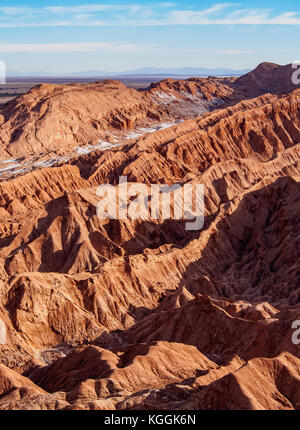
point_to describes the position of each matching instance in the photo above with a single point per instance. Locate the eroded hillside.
(144, 314)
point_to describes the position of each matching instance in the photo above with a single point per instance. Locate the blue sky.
(71, 35)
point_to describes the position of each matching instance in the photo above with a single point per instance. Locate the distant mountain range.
(145, 71)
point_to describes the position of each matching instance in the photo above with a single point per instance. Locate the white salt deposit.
(11, 167)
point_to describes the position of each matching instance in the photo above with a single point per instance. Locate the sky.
(68, 36)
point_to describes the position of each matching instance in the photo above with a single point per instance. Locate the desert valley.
(141, 314)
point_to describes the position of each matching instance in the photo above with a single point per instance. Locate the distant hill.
(145, 71)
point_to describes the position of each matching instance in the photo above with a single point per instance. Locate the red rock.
(144, 314)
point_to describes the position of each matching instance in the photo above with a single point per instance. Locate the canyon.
(143, 314)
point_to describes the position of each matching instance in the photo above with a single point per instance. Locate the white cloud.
(220, 15)
(83, 16)
(74, 47)
(234, 52)
(14, 10)
(155, 14)
(80, 9)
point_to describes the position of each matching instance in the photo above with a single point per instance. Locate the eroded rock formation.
(144, 314)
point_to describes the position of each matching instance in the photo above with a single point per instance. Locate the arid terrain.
(16, 86)
(142, 314)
